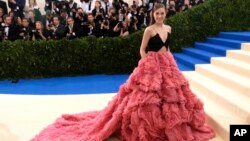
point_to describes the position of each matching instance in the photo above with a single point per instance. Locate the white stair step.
(245, 46)
(239, 54)
(237, 66)
(233, 101)
(219, 117)
(217, 138)
(225, 77)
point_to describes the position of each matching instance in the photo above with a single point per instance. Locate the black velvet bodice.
(155, 43)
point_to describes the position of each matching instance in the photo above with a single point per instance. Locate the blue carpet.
(92, 84)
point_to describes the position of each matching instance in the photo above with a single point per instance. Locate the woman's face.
(31, 14)
(38, 26)
(159, 15)
(11, 14)
(25, 23)
(97, 4)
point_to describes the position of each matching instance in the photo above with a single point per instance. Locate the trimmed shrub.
(36, 59)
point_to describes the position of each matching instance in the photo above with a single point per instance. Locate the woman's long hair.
(156, 7)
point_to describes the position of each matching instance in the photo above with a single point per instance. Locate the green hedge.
(208, 19)
(28, 59)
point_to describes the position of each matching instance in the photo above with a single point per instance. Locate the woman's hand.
(143, 55)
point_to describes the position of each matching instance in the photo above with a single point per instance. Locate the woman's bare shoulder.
(168, 27)
(149, 30)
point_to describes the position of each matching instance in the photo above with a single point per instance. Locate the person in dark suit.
(48, 5)
(3, 5)
(57, 29)
(72, 30)
(94, 28)
(17, 6)
(72, 8)
(26, 31)
(10, 30)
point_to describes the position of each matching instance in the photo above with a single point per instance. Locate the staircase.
(221, 82)
(212, 47)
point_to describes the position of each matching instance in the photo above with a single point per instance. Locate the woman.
(122, 28)
(98, 12)
(40, 32)
(155, 104)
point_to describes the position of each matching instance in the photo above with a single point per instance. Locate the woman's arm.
(116, 28)
(144, 43)
(169, 30)
(124, 33)
(41, 34)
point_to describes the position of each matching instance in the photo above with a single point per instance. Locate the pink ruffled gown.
(155, 104)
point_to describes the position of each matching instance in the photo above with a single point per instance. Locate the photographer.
(117, 27)
(58, 5)
(81, 20)
(93, 27)
(133, 24)
(171, 9)
(56, 28)
(113, 20)
(40, 33)
(48, 5)
(122, 28)
(143, 18)
(105, 27)
(72, 8)
(72, 30)
(9, 31)
(25, 30)
(119, 4)
(17, 6)
(98, 12)
(80, 17)
(33, 18)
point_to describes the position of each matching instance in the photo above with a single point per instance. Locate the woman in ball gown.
(155, 103)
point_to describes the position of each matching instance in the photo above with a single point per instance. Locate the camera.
(123, 11)
(106, 21)
(50, 25)
(26, 35)
(80, 14)
(120, 24)
(133, 19)
(171, 6)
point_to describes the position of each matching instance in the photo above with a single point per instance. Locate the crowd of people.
(68, 19)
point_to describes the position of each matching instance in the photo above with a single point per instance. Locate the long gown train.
(155, 104)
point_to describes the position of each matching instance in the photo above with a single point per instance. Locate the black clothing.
(155, 43)
(18, 7)
(3, 5)
(46, 34)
